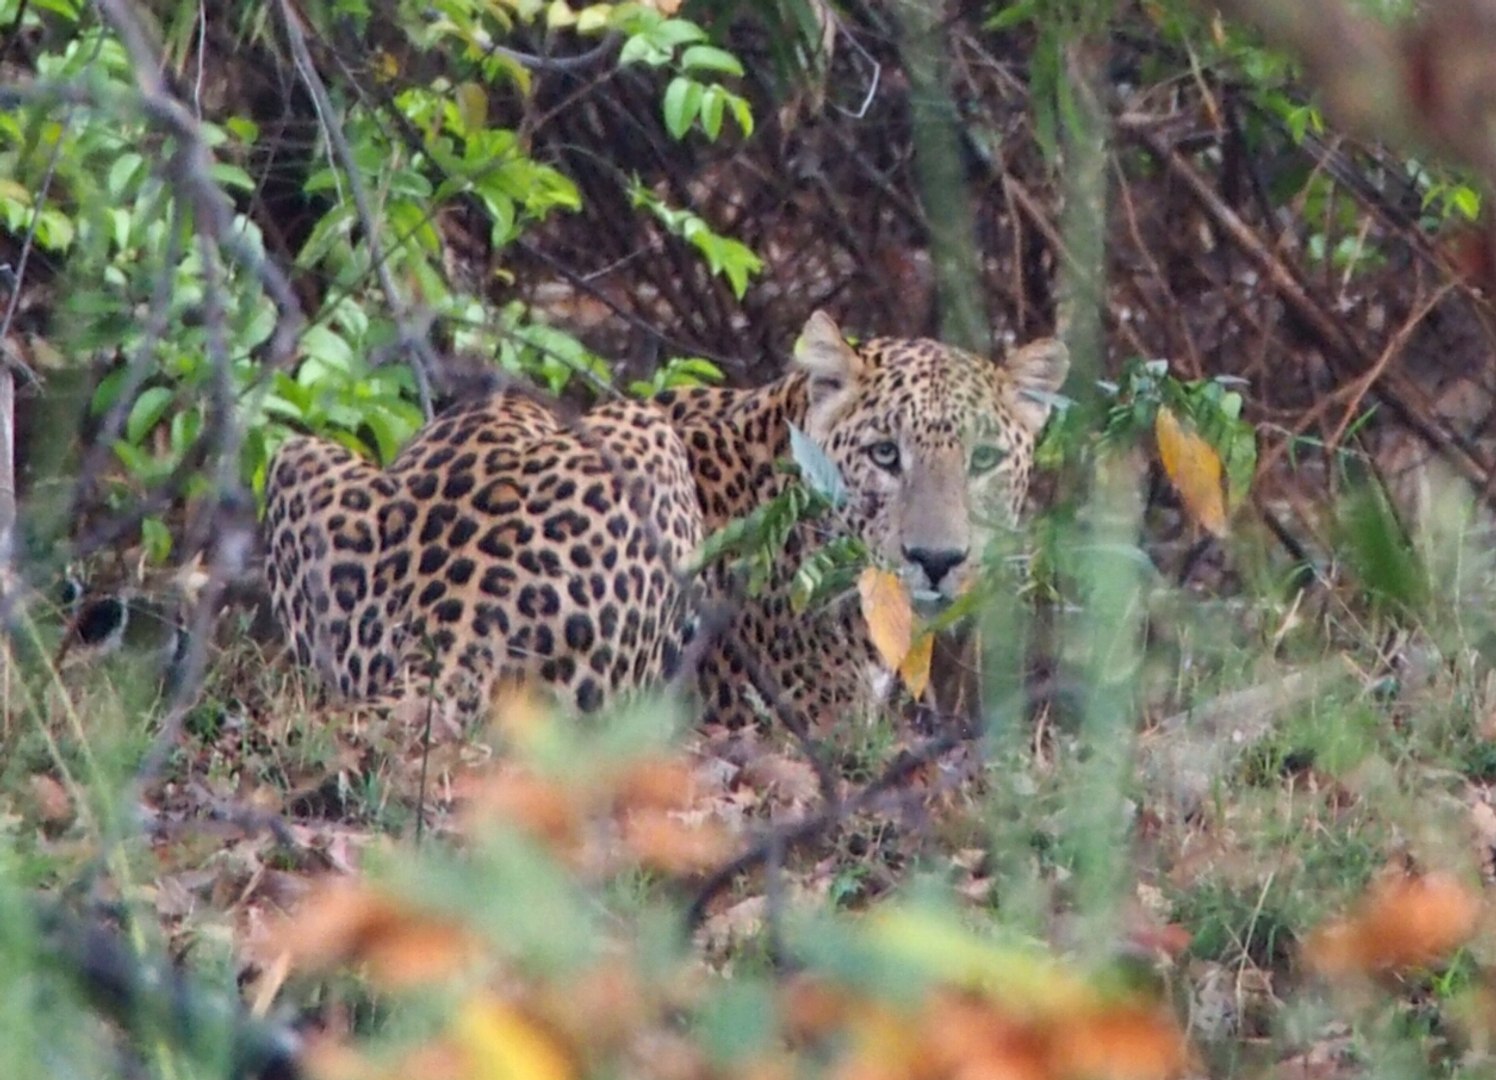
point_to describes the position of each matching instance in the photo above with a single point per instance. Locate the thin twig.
(411, 336)
(795, 834)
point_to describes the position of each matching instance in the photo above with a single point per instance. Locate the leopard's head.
(935, 444)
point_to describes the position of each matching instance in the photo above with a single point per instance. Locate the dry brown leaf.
(1483, 818)
(889, 613)
(1402, 922)
(602, 1007)
(349, 922)
(1194, 468)
(968, 1036)
(540, 806)
(1120, 1042)
(664, 842)
(732, 926)
(783, 778)
(655, 784)
(268, 985)
(915, 668)
(327, 1058)
(519, 713)
(811, 1007)
(52, 803)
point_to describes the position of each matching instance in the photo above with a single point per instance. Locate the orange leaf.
(889, 614)
(601, 1007)
(1120, 1042)
(915, 669)
(346, 922)
(655, 783)
(811, 1008)
(665, 842)
(1404, 922)
(1195, 470)
(540, 806)
(967, 1035)
(884, 1045)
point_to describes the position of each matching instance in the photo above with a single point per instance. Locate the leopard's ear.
(833, 364)
(1037, 371)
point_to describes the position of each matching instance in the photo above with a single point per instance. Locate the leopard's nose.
(935, 562)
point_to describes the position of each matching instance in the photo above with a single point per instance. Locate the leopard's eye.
(885, 455)
(985, 458)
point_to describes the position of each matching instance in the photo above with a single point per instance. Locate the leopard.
(935, 448)
(507, 543)
(504, 545)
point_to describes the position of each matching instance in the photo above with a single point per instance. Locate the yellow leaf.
(1016, 973)
(14, 192)
(915, 670)
(472, 106)
(889, 615)
(385, 66)
(593, 18)
(503, 1044)
(1195, 470)
(560, 15)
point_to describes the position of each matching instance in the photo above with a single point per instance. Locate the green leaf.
(682, 100)
(710, 58)
(641, 49)
(232, 176)
(54, 230)
(712, 102)
(593, 19)
(676, 32)
(1021, 12)
(147, 411)
(155, 537)
(1466, 200)
(107, 392)
(819, 471)
(123, 172)
(472, 106)
(742, 112)
(332, 350)
(1380, 555)
(66, 8)
(186, 426)
(243, 128)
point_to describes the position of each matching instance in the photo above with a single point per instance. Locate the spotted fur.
(503, 542)
(500, 543)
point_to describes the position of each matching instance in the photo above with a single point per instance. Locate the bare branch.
(412, 332)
